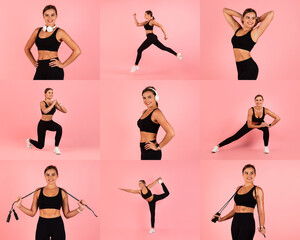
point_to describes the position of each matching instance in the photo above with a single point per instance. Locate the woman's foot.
(215, 149)
(28, 143)
(134, 68)
(179, 55)
(266, 151)
(152, 230)
(160, 181)
(56, 151)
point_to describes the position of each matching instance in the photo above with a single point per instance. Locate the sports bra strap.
(237, 30)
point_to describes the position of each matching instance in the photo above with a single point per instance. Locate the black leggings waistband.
(149, 154)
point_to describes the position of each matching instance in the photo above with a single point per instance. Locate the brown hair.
(47, 89)
(143, 181)
(259, 95)
(249, 166)
(150, 13)
(50, 7)
(150, 89)
(51, 167)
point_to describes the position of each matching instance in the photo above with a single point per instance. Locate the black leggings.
(50, 227)
(153, 203)
(43, 126)
(149, 154)
(247, 69)
(244, 130)
(151, 39)
(46, 72)
(243, 226)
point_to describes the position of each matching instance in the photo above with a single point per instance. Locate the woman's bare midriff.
(45, 55)
(49, 213)
(46, 117)
(149, 31)
(147, 137)
(243, 209)
(241, 54)
(149, 199)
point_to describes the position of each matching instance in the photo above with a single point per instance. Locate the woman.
(49, 200)
(245, 37)
(48, 108)
(149, 123)
(246, 197)
(151, 38)
(255, 119)
(145, 192)
(48, 39)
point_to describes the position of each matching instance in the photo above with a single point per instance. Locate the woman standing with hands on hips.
(245, 37)
(48, 108)
(149, 123)
(245, 199)
(151, 38)
(49, 200)
(48, 39)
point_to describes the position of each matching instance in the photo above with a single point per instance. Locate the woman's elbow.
(278, 119)
(77, 51)
(171, 134)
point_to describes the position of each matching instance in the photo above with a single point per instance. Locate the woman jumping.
(48, 108)
(255, 119)
(245, 37)
(151, 38)
(149, 197)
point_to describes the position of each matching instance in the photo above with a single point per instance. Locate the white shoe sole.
(28, 143)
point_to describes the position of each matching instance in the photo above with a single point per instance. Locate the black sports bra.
(246, 199)
(243, 42)
(147, 195)
(148, 27)
(49, 113)
(45, 202)
(258, 120)
(49, 44)
(147, 125)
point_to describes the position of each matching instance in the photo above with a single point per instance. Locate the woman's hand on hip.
(56, 63)
(151, 145)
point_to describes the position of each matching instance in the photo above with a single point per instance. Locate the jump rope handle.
(214, 220)
(8, 217)
(16, 215)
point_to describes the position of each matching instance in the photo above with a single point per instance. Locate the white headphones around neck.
(156, 94)
(49, 28)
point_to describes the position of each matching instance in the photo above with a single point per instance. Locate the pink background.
(127, 216)
(226, 107)
(120, 39)
(275, 53)
(279, 180)
(21, 114)
(79, 178)
(80, 19)
(122, 103)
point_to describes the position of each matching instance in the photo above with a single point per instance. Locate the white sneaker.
(215, 149)
(152, 230)
(57, 151)
(160, 181)
(266, 151)
(179, 55)
(134, 68)
(28, 143)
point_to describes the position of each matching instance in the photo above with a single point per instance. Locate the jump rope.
(16, 215)
(214, 220)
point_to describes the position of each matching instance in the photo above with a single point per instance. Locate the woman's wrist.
(78, 210)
